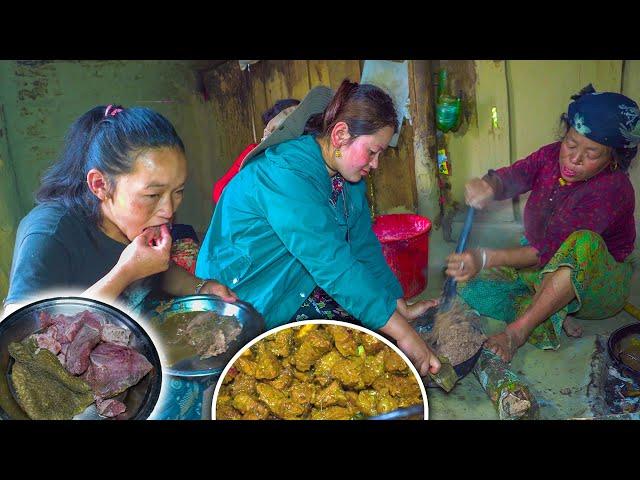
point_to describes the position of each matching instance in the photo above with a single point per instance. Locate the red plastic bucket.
(405, 245)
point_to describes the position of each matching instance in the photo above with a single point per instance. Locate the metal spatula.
(450, 285)
(449, 374)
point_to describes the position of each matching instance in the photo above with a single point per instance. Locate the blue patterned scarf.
(607, 118)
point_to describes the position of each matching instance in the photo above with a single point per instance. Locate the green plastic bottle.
(447, 107)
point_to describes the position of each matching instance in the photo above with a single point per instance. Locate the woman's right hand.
(414, 347)
(411, 344)
(464, 266)
(478, 193)
(149, 253)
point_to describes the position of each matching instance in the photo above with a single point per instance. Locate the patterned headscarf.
(607, 118)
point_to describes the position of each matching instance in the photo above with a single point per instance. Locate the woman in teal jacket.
(294, 223)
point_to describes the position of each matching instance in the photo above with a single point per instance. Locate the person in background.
(185, 246)
(272, 119)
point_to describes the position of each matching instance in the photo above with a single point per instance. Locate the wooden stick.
(632, 310)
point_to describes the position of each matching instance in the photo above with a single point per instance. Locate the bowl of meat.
(199, 334)
(76, 358)
(320, 370)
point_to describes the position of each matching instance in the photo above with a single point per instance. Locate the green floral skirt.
(601, 285)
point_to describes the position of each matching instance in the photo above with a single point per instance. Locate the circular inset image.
(319, 370)
(76, 358)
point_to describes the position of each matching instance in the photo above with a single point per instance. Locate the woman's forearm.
(177, 281)
(111, 285)
(411, 344)
(519, 257)
(397, 327)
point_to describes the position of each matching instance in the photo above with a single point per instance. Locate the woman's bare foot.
(505, 344)
(571, 328)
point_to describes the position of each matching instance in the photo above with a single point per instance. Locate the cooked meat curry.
(316, 372)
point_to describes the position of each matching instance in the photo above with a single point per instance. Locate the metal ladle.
(426, 321)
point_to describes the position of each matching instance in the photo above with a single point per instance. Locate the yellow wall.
(530, 96)
(481, 146)
(540, 92)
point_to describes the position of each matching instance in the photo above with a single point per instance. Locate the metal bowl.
(139, 399)
(425, 324)
(250, 320)
(613, 347)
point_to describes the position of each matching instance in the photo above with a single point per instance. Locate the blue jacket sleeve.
(303, 220)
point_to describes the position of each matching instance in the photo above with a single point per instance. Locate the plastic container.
(405, 245)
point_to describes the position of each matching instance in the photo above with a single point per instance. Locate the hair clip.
(112, 110)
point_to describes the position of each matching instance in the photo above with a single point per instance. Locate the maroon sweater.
(603, 204)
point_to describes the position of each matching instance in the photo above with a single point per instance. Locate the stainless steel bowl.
(250, 320)
(139, 399)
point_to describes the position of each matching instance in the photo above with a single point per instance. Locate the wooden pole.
(510, 395)
(422, 101)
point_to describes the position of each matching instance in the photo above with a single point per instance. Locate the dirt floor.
(558, 379)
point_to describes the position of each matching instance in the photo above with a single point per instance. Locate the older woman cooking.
(579, 229)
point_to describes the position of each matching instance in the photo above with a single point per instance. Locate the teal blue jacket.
(275, 236)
